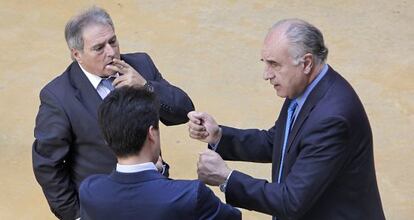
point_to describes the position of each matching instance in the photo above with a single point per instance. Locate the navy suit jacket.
(69, 145)
(329, 165)
(151, 196)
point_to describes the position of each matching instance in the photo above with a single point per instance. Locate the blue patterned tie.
(107, 82)
(289, 122)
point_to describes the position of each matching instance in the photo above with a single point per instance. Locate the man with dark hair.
(69, 145)
(320, 146)
(135, 190)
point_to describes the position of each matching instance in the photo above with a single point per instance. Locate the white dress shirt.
(96, 82)
(134, 168)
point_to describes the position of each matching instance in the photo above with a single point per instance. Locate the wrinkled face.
(99, 48)
(288, 79)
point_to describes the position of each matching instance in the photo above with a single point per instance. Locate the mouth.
(110, 63)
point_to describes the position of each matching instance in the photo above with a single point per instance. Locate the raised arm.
(175, 103)
(232, 144)
(324, 152)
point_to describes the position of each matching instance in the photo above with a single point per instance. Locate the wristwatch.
(149, 87)
(223, 186)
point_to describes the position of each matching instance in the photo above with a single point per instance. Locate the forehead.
(275, 45)
(97, 33)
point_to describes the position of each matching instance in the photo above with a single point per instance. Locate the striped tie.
(105, 86)
(107, 82)
(289, 121)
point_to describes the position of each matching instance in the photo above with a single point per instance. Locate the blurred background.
(211, 49)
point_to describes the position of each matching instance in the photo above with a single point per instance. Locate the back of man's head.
(125, 117)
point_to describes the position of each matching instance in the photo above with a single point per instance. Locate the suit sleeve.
(246, 145)
(175, 103)
(49, 156)
(209, 206)
(324, 152)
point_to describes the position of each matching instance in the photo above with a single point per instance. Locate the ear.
(307, 63)
(76, 54)
(152, 134)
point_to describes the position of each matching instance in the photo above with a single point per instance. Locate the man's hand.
(203, 127)
(128, 76)
(211, 168)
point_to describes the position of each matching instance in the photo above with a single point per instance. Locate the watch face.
(223, 187)
(149, 87)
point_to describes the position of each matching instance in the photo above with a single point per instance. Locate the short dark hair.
(125, 116)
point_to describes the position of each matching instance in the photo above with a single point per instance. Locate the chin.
(108, 73)
(279, 93)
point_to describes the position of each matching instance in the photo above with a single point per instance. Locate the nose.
(267, 73)
(109, 50)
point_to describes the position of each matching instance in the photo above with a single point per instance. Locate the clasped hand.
(211, 168)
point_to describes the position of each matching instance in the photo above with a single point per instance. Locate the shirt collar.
(302, 98)
(135, 167)
(94, 79)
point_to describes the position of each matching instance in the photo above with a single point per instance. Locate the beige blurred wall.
(211, 49)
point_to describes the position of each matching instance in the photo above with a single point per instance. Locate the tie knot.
(292, 106)
(107, 82)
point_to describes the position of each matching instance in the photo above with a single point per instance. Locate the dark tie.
(289, 121)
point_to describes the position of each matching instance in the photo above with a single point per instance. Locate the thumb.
(210, 153)
(196, 117)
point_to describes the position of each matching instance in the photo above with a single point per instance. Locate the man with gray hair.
(68, 144)
(320, 146)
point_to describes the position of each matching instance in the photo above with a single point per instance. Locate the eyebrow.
(112, 38)
(269, 61)
(98, 45)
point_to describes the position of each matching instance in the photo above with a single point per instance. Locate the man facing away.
(135, 189)
(69, 145)
(320, 146)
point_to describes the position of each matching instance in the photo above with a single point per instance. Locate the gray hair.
(303, 38)
(75, 26)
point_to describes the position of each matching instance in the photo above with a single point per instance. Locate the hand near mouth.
(128, 76)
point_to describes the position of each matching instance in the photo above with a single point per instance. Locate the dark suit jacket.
(149, 195)
(329, 166)
(69, 145)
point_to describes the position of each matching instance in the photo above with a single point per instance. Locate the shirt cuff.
(214, 146)
(223, 186)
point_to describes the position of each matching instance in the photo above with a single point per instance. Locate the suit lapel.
(317, 93)
(85, 93)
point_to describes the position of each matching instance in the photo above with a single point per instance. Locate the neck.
(134, 159)
(312, 76)
(315, 72)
